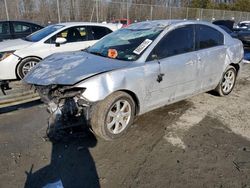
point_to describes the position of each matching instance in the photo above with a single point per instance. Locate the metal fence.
(53, 11)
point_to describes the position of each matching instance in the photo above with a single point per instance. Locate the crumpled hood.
(70, 68)
(12, 45)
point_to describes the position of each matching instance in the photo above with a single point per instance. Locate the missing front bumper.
(67, 115)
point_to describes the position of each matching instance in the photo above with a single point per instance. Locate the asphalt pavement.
(200, 142)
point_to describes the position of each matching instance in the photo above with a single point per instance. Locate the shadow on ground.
(71, 162)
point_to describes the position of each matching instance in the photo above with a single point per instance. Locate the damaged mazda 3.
(135, 70)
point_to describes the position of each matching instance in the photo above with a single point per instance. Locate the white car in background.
(243, 25)
(18, 57)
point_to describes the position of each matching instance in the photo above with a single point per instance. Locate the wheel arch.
(135, 98)
(237, 67)
(18, 77)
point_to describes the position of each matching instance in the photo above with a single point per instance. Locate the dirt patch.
(214, 157)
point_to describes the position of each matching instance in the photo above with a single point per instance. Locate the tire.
(26, 65)
(227, 82)
(111, 117)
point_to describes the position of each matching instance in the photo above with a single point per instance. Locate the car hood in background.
(12, 45)
(70, 68)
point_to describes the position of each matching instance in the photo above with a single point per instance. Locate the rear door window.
(98, 32)
(207, 37)
(20, 27)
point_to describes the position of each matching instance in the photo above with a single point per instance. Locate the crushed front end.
(66, 106)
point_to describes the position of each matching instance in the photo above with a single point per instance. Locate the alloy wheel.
(118, 116)
(228, 81)
(28, 66)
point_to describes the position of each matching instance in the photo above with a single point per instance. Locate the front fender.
(102, 85)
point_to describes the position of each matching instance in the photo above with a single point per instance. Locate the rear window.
(207, 37)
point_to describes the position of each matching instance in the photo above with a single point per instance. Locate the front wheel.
(111, 117)
(26, 65)
(227, 82)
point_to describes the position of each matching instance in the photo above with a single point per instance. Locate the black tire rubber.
(22, 63)
(100, 111)
(219, 89)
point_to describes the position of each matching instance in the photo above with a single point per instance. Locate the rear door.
(211, 53)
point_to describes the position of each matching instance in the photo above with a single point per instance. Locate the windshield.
(125, 44)
(39, 35)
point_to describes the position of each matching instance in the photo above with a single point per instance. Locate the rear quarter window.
(35, 27)
(207, 37)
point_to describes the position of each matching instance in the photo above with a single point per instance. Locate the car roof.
(21, 21)
(69, 24)
(164, 23)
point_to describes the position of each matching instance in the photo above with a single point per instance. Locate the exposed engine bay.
(66, 106)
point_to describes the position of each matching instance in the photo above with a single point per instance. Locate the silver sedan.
(135, 70)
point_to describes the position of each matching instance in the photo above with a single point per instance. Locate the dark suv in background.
(17, 29)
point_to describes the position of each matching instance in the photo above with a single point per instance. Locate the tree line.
(237, 5)
(48, 11)
(234, 5)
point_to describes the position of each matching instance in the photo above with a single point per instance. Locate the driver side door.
(174, 62)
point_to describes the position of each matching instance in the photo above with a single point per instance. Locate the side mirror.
(60, 40)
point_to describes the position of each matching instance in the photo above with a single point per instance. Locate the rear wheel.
(227, 82)
(26, 65)
(111, 117)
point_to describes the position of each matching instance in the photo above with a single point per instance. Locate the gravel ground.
(18, 89)
(16, 86)
(200, 142)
